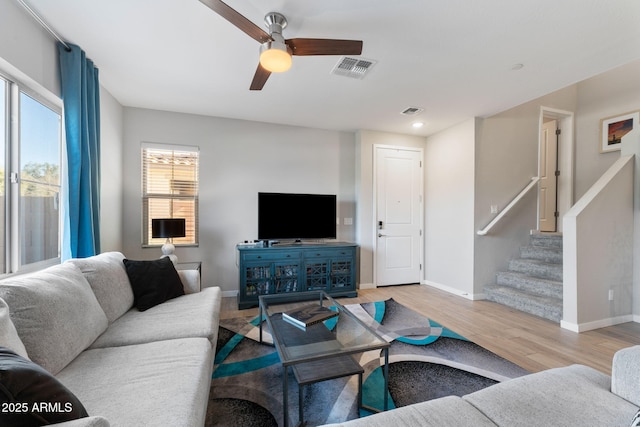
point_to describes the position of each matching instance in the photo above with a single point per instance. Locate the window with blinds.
(170, 189)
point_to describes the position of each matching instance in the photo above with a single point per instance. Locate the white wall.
(238, 159)
(449, 206)
(365, 222)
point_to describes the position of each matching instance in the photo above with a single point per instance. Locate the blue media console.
(289, 268)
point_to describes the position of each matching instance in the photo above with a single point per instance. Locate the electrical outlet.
(494, 209)
(610, 294)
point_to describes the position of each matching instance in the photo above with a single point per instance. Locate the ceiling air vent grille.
(356, 68)
(412, 111)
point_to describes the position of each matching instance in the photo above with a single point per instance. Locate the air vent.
(412, 111)
(356, 68)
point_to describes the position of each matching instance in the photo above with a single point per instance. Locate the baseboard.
(454, 291)
(597, 324)
(367, 286)
(226, 294)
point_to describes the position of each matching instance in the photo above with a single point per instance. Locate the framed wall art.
(618, 129)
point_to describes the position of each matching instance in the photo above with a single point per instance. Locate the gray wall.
(30, 54)
(365, 227)
(610, 94)
(238, 159)
(242, 158)
(28, 47)
(506, 160)
(449, 200)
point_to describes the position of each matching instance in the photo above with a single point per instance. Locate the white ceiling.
(454, 58)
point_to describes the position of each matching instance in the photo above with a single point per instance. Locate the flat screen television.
(288, 216)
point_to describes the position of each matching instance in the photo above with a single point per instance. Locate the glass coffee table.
(321, 351)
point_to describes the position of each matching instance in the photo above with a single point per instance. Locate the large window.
(30, 186)
(170, 189)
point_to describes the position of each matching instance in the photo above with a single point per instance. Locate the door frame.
(374, 231)
(566, 148)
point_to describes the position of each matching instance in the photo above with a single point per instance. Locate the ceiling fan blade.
(259, 78)
(324, 47)
(238, 20)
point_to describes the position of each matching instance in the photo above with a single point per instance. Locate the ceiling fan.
(275, 52)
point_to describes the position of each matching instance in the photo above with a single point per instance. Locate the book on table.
(308, 315)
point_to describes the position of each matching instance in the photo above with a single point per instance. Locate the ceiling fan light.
(275, 57)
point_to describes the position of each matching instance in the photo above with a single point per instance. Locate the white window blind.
(170, 189)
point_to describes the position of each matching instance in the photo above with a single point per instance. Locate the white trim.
(167, 146)
(597, 324)
(227, 294)
(367, 286)
(454, 291)
(566, 150)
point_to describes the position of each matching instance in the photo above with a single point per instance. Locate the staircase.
(533, 283)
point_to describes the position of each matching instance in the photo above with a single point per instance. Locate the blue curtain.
(81, 100)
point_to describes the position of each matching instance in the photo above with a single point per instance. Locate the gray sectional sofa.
(575, 395)
(126, 367)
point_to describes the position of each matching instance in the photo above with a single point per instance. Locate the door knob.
(381, 235)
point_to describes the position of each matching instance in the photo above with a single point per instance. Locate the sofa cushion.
(55, 313)
(95, 421)
(193, 315)
(8, 335)
(25, 386)
(108, 279)
(164, 383)
(447, 411)
(153, 282)
(571, 396)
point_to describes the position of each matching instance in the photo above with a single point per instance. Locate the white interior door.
(399, 212)
(548, 179)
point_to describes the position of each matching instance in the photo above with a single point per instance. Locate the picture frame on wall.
(618, 129)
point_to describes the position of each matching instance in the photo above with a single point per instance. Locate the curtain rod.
(43, 24)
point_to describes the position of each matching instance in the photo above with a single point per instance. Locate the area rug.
(426, 361)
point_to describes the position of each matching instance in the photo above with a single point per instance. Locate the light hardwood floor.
(529, 341)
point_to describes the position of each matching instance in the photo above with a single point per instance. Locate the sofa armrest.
(625, 374)
(85, 422)
(190, 280)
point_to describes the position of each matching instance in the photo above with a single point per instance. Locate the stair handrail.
(525, 190)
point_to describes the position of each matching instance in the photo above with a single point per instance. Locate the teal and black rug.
(426, 361)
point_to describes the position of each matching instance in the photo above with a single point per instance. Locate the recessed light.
(417, 125)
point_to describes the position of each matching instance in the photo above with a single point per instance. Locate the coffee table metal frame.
(319, 347)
